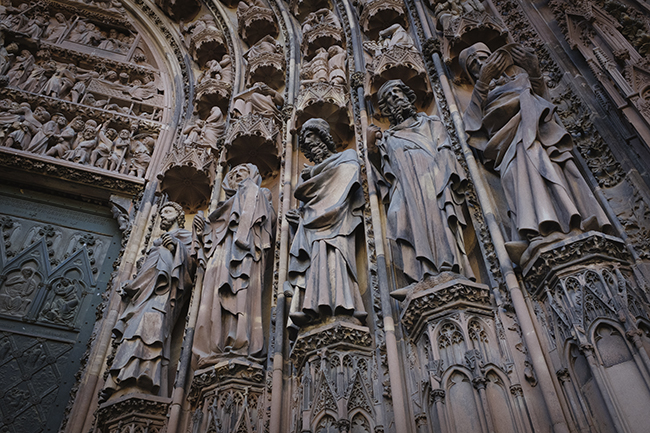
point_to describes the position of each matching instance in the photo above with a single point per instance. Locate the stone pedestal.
(588, 302)
(254, 138)
(133, 413)
(227, 397)
(461, 369)
(336, 386)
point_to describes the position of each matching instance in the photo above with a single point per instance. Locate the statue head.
(316, 141)
(171, 213)
(396, 101)
(238, 174)
(471, 59)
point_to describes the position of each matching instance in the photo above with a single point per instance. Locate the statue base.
(338, 334)
(570, 254)
(228, 396)
(133, 412)
(428, 299)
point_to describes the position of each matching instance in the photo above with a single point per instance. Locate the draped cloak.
(516, 130)
(322, 266)
(236, 242)
(163, 284)
(424, 216)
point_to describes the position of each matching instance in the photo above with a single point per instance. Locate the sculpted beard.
(167, 223)
(401, 111)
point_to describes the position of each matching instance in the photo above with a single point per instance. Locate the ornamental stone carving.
(187, 174)
(205, 39)
(393, 56)
(321, 29)
(376, 15)
(253, 133)
(256, 20)
(266, 63)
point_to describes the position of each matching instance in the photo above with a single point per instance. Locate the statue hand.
(493, 67)
(373, 133)
(293, 216)
(198, 224)
(126, 291)
(306, 172)
(168, 242)
(526, 58)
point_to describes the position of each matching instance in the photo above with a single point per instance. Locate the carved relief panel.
(76, 75)
(55, 261)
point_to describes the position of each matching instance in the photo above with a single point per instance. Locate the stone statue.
(236, 240)
(217, 70)
(21, 68)
(258, 99)
(423, 185)
(336, 63)
(120, 146)
(326, 65)
(322, 262)
(512, 122)
(155, 298)
(396, 36)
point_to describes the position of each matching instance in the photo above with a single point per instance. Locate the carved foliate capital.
(516, 390)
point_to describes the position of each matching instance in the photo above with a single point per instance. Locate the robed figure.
(423, 184)
(512, 122)
(322, 262)
(156, 297)
(235, 240)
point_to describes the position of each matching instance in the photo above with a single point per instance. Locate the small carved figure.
(21, 68)
(42, 140)
(30, 124)
(337, 58)
(66, 139)
(155, 298)
(17, 289)
(322, 262)
(56, 28)
(236, 240)
(141, 149)
(317, 69)
(322, 17)
(99, 157)
(120, 146)
(259, 99)
(511, 121)
(423, 185)
(217, 70)
(396, 36)
(84, 146)
(62, 307)
(40, 75)
(213, 128)
(34, 27)
(266, 45)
